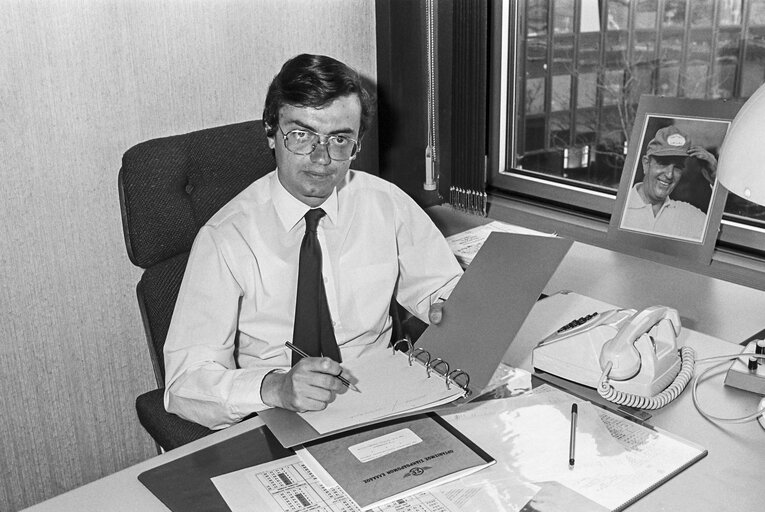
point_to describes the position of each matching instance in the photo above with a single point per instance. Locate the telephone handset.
(630, 357)
(621, 351)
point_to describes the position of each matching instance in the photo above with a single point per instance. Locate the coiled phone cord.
(688, 357)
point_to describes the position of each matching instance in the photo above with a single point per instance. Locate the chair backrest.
(169, 187)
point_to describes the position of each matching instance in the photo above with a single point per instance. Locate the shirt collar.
(291, 210)
(635, 201)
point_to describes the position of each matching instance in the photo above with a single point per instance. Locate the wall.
(80, 82)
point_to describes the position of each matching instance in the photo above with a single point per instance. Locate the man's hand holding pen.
(310, 385)
(313, 382)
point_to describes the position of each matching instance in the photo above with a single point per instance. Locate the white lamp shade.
(741, 166)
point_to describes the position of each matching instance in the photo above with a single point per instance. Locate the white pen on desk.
(572, 440)
(342, 379)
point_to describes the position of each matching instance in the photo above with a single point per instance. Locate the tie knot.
(312, 219)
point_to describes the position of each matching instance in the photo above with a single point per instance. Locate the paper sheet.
(616, 459)
(494, 488)
(287, 485)
(374, 375)
(465, 244)
(281, 485)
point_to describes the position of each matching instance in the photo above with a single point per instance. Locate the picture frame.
(668, 203)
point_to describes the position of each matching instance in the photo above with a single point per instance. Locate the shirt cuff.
(245, 395)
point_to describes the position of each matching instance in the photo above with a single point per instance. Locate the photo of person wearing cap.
(668, 157)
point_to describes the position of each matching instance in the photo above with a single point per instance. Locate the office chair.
(168, 189)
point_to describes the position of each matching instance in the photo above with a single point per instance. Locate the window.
(573, 72)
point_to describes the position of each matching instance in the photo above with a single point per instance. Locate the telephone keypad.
(577, 322)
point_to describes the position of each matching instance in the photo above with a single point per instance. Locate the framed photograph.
(669, 200)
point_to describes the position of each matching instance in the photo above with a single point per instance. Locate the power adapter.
(748, 372)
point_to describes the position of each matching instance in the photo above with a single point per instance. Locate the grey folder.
(481, 318)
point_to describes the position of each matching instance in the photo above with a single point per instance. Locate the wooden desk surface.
(729, 474)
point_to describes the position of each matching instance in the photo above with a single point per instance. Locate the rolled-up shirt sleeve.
(202, 381)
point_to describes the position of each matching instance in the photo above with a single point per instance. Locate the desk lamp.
(741, 170)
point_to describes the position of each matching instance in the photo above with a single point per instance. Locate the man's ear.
(271, 141)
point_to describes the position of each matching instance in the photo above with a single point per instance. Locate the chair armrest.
(168, 430)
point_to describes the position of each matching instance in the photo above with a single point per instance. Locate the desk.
(728, 477)
(722, 309)
(736, 453)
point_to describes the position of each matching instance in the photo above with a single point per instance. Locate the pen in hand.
(342, 379)
(572, 441)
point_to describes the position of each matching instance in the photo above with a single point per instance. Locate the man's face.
(312, 178)
(662, 174)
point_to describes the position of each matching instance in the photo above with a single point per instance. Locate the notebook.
(392, 460)
(455, 359)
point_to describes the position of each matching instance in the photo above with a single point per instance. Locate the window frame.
(552, 191)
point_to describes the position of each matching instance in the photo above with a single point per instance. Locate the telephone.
(630, 357)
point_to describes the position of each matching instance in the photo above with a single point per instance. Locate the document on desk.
(414, 389)
(481, 318)
(617, 460)
(288, 485)
(395, 459)
(465, 244)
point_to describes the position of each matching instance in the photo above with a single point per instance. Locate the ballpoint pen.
(572, 440)
(342, 379)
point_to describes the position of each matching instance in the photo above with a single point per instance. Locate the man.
(225, 353)
(649, 207)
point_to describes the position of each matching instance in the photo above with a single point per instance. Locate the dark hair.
(314, 81)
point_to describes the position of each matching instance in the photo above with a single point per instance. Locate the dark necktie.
(313, 330)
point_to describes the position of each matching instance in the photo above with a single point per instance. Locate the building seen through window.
(577, 68)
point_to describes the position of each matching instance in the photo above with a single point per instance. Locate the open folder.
(455, 359)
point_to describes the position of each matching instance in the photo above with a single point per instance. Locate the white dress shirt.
(236, 305)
